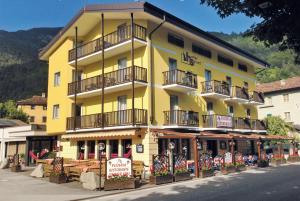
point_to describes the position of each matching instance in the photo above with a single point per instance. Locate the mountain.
(21, 73)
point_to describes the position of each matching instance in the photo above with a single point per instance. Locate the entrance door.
(172, 70)
(122, 106)
(122, 33)
(212, 146)
(229, 82)
(173, 109)
(123, 74)
(208, 83)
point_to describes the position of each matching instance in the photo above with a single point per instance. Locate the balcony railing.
(110, 40)
(240, 92)
(181, 118)
(215, 86)
(241, 123)
(115, 118)
(217, 121)
(257, 97)
(110, 79)
(258, 124)
(180, 77)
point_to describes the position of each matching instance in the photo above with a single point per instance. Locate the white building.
(282, 98)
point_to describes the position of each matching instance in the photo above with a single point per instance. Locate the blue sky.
(26, 14)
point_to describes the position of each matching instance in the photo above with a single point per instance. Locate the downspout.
(132, 68)
(103, 78)
(76, 75)
(152, 117)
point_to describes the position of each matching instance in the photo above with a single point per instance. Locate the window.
(32, 107)
(246, 85)
(210, 108)
(175, 40)
(44, 119)
(57, 79)
(230, 110)
(248, 112)
(32, 119)
(287, 116)
(285, 97)
(225, 60)
(172, 64)
(242, 67)
(201, 51)
(268, 100)
(44, 107)
(269, 115)
(122, 63)
(55, 112)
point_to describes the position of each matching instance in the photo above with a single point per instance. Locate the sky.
(26, 14)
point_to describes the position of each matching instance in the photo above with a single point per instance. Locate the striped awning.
(102, 134)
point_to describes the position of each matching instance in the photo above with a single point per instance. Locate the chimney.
(282, 82)
(44, 95)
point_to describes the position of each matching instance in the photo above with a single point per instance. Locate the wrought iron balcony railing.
(180, 77)
(181, 118)
(215, 86)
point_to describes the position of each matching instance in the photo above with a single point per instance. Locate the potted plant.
(182, 175)
(293, 158)
(206, 172)
(240, 167)
(58, 178)
(278, 161)
(118, 182)
(161, 177)
(228, 168)
(262, 163)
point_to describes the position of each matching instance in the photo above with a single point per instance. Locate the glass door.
(208, 84)
(172, 70)
(173, 109)
(122, 106)
(123, 74)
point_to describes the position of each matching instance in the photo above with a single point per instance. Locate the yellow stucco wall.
(38, 113)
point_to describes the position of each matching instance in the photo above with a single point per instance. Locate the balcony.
(114, 81)
(179, 81)
(215, 89)
(256, 98)
(115, 43)
(181, 118)
(238, 95)
(111, 119)
(258, 125)
(227, 122)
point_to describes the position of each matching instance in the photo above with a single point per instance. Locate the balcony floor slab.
(214, 95)
(178, 88)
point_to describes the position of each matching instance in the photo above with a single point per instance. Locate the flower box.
(16, 168)
(278, 161)
(240, 168)
(228, 169)
(206, 173)
(120, 184)
(162, 179)
(293, 159)
(262, 163)
(182, 176)
(58, 178)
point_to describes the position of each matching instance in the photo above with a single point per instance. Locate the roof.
(281, 85)
(11, 123)
(159, 13)
(34, 100)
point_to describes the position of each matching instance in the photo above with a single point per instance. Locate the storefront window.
(114, 148)
(127, 148)
(80, 145)
(91, 149)
(162, 146)
(186, 146)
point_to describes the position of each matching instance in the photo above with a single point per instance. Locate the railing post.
(133, 68)
(103, 78)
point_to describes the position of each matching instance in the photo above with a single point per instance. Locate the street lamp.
(101, 148)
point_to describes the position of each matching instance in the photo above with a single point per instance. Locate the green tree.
(277, 126)
(9, 110)
(280, 20)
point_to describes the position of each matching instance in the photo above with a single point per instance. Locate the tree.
(280, 20)
(277, 126)
(9, 110)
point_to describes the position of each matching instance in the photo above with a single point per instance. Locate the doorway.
(212, 146)
(122, 106)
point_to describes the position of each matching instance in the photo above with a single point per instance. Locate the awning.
(103, 135)
(169, 134)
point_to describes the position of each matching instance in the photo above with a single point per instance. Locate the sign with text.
(224, 121)
(188, 59)
(228, 158)
(119, 167)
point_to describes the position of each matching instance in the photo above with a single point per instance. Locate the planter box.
(111, 184)
(206, 173)
(182, 176)
(58, 179)
(278, 162)
(157, 180)
(16, 168)
(228, 170)
(241, 168)
(293, 159)
(262, 163)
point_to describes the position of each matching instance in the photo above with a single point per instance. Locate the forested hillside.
(23, 75)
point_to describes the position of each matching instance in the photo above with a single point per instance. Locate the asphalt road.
(280, 183)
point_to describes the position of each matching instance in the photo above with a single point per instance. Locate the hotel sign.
(119, 167)
(188, 59)
(224, 121)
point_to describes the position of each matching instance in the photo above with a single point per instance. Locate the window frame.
(56, 111)
(201, 51)
(176, 40)
(57, 79)
(243, 67)
(225, 60)
(286, 97)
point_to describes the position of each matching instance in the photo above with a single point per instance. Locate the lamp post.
(101, 148)
(171, 147)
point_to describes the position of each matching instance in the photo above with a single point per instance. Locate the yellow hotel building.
(130, 75)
